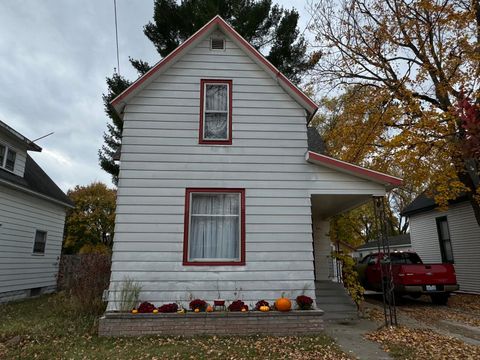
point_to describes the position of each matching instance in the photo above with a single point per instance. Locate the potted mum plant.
(304, 302)
(198, 305)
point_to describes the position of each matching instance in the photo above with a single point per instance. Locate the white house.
(32, 215)
(396, 243)
(217, 187)
(451, 236)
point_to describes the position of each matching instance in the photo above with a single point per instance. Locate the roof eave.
(35, 193)
(30, 144)
(121, 100)
(388, 181)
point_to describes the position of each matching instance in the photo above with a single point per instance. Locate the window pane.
(215, 126)
(444, 232)
(216, 97)
(2, 155)
(39, 244)
(10, 160)
(214, 226)
(221, 204)
(447, 250)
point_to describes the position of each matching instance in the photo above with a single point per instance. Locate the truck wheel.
(440, 299)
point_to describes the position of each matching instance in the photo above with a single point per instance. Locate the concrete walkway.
(349, 336)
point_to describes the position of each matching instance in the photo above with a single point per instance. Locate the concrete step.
(334, 300)
(331, 316)
(335, 292)
(336, 308)
(336, 303)
(328, 285)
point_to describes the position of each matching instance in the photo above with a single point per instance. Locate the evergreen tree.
(269, 28)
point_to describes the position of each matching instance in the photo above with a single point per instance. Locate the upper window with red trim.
(215, 111)
(214, 227)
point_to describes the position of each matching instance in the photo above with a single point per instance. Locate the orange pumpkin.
(209, 308)
(283, 304)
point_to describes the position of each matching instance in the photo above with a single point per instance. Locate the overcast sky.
(54, 57)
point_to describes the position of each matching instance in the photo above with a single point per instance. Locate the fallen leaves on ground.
(461, 308)
(422, 344)
(465, 302)
(431, 314)
(45, 328)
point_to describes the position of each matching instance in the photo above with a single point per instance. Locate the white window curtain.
(216, 111)
(214, 226)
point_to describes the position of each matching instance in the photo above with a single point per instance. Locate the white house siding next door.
(20, 216)
(465, 237)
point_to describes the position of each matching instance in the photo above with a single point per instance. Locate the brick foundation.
(216, 323)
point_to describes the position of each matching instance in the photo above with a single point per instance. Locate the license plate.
(431, 287)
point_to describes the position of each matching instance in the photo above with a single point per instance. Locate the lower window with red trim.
(214, 226)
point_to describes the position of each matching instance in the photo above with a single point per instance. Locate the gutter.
(31, 192)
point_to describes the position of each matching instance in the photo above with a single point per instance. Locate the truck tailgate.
(425, 274)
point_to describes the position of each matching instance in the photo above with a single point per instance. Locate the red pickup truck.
(410, 276)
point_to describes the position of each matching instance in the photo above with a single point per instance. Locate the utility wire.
(116, 35)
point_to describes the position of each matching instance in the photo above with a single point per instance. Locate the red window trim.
(186, 223)
(201, 140)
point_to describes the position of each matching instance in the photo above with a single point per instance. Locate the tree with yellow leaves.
(89, 225)
(415, 65)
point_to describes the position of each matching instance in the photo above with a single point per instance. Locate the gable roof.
(216, 23)
(30, 144)
(372, 175)
(37, 181)
(398, 240)
(424, 203)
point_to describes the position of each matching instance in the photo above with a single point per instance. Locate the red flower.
(168, 308)
(304, 302)
(198, 304)
(146, 308)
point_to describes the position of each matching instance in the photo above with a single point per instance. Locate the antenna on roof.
(44, 136)
(116, 35)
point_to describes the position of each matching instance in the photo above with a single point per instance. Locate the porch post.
(389, 309)
(322, 249)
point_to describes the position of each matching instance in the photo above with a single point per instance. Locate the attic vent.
(217, 44)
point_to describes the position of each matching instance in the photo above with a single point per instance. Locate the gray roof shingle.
(398, 240)
(36, 180)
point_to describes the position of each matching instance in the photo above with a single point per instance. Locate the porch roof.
(320, 159)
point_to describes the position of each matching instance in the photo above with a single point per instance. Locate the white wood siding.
(161, 157)
(21, 153)
(465, 235)
(21, 215)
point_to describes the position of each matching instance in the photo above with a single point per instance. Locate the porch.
(331, 296)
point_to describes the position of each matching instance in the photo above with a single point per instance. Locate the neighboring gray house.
(219, 193)
(451, 236)
(397, 243)
(32, 216)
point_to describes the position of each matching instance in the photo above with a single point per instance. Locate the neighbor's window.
(2, 154)
(214, 227)
(10, 161)
(216, 112)
(40, 241)
(445, 241)
(7, 157)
